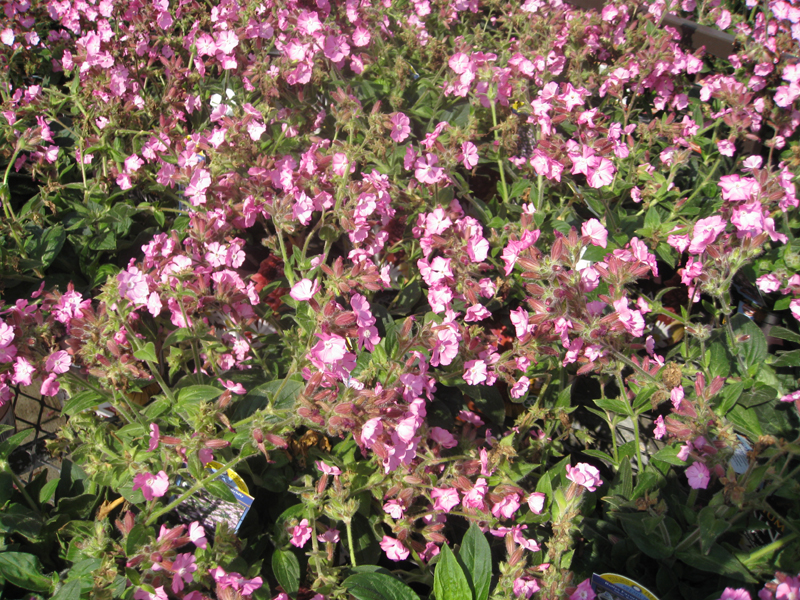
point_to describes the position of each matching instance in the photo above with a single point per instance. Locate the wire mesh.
(42, 417)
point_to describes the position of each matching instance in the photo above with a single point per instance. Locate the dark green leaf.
(449, 580)
(670, 456)
(476, 556)
(221, 490)
(21, 520)
(614, 405)
(71, 590)
(710, 527)
(280, 393)
(378, 586)
(487, 399)
(717, 560)
(730, 394)
(82, 401)
(286, 569)
(746, 420)
(784, 334)
(24, 571)
(754, 349)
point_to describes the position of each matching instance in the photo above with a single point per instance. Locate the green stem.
(503, 188)
(287, 270)
(195, 488)
(350, 544)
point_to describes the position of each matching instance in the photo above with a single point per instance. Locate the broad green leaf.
(449, 580)
(281, 394)
(670, 455)
(729, 394)
(148, 353)
(378, 586)
(82, 401)
(198, 393)
(476, 556)
(710, 527)
(787, 359)
(753, 350)
(286, 569)
(746, 420)
(24, 571)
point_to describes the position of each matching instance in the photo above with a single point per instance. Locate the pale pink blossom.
(394, 508)
(536, 502)
(474, 372)
(506, 507)
(58, 362)
(474, 497)
(304, 290)
(401, 127)
(445, 499)
(585, 475)
(394, 548)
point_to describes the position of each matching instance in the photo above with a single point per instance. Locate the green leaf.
(487, 399)
(781, 304)
(12, 443)
(71, 590)
(280, 393)
(753, 350)
(221, 490)
(784, 334)
(601, 455)
(719, 360)
(746, 420)
(24, 571)
(286, 569)
(147, 354)
(717, 560)
(710, 527)
(47, 491)
(82, 401)
(669, 455)
(137, 537)
(614, 405)
(378, 586)
(198, 393)
(729, 394)
(449, 580)
(787, 359)
(476, 556)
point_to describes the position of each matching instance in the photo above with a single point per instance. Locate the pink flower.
(536, 502)
(152, 486)
(794, 306)
(506, 507)
(58, 362)
(336, 48)
(182, 567)
(394, 508)
(698, 476)
(469, 155)
(426, 170)
(370, 431)
(445, 499)
(443, 437)
(584, 591)
(340, 164)
(661, 430)
(394, 549)
(597, 234)
(474, 372)
(705, 232)
(304, 290)
(330, 348)
(154, 437)
(520, 388)
(327, 469)
(788, 589)
(445, 347)
(301, 533)
(49, 386)
(735, 594)
(585, 475)
(768, 283)
(197, 534)
(525, 586)
(23, 370)
(602, 173)
(474, 497)
(159, 594)
(401, 127)
(236, 388)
